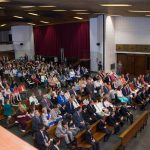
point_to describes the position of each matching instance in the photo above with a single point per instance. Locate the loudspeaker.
(98, 44)
(10, 37)
(21, 44)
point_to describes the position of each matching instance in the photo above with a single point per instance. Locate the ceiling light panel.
(115, 5)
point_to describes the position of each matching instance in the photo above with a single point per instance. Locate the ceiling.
(11, 8)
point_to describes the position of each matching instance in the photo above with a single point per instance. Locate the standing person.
(41, 138)
(99, 65)
(119, 68)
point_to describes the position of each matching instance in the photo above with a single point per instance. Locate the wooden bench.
(80, 137)
(133, 129)
(51, 131)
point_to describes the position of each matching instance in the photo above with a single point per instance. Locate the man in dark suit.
(78, 118)
(103, 128)
(126, 113)
(90, 139)
(36, 121)
(92, 110)
(41, 139)
(69, 106)
(112, 121)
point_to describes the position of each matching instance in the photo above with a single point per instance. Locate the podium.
(9, 141)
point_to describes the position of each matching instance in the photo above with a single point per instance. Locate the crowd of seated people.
(70, 98)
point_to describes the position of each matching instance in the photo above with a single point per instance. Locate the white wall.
(110, 46)
(23, 34)
(132, 30)
(96, 36)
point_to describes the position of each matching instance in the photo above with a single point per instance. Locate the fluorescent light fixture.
(1, 7)
(2, 25)
(139, 11)
(82, 13)
(59, 10)
(115, 5)
(1, 1)
(48, 6)
(18, 17)
(29, 23)
(44, 22)
(79, 18)
(147, 15)
(79, 10)
(27, 6)
(33, 14)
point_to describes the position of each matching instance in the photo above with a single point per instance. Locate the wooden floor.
(9, 141)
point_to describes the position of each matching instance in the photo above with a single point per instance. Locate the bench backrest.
(81, 135)
(134, 128)
(51, 131)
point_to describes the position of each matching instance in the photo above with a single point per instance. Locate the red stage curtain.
(73, 37)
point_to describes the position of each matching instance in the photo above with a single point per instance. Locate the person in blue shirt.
(61, 98)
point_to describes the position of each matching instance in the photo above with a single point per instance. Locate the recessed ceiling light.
(29, 23)
(59, 10)
(33, 14)
(48, 6)
(18, 17)
(139, 11)
(2, 25)
(115, 5)
(82, 13)
(44, 22)
(79, 18)
(27, 6)
(79, 10)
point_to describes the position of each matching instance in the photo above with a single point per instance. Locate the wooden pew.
(132, 131)
(51, 131)
(80, 137)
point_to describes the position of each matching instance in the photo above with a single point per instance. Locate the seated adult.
(78, 118)
(90, 119)
(103, 128)
(61, 98)
(46, 117)
(63, 132)
(22, 117)
(33, 98)
(126, 113)
(112, 121)
(120, 96)
(55, 116)
(90, 139)
(46, 103)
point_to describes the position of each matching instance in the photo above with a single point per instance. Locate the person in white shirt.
(32, 99)
(1, 97)
(74, 101)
